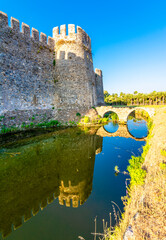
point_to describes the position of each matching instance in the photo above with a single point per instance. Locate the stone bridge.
(121, 132)
(123, 112)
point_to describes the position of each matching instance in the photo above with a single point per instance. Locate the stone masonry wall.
(27, 85)
(45, 78)
(99, 87)
(74, 68)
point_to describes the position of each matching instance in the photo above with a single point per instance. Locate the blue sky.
(128, 36)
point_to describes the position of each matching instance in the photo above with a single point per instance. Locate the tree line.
(153, 98)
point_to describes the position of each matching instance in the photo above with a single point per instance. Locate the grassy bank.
(145, 207)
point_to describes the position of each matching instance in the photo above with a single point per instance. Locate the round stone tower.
(74, 74)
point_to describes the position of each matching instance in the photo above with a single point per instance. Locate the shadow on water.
(59, 169)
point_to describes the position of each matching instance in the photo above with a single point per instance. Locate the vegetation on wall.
(42, 124)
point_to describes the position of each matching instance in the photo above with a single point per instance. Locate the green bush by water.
(86, 119)
(44, 124)
(137, 174)
(105, 120)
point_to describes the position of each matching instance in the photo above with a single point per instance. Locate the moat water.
(52, 186)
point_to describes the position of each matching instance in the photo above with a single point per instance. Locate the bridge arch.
(123, 112)
(109, 112)
(138, 108)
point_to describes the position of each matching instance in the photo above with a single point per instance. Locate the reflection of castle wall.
(73, 195)
(76, 175)
(59, 164)
(99, 145)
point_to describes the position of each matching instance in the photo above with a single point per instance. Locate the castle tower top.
(79, 36)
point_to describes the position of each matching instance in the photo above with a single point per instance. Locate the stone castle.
(49, 78)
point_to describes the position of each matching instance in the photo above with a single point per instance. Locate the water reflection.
(134, 129)
(111, 127)
(36, 171)
(62, 165)
(137, 128)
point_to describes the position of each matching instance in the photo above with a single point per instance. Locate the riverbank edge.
(145, 206)
(84, 121)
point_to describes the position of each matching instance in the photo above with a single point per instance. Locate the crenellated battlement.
(25, 29)
(79, 36)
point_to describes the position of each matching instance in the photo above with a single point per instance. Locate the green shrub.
(149, 124)
(53, 123)
(5, 129)
(145, 150)
(55, 80)
(54, 62)
(23, 125)
(163, 152)
(105, 120)
(116, 168)
(31, 124)
(86, 119)
(114, 117)
(137, 174)
(100, 121)
(78, 114)
(163, 166)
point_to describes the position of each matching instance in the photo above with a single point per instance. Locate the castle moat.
(52, 186)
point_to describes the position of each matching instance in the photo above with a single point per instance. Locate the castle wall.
(99, 87)
(26, 72)
(42, 78)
